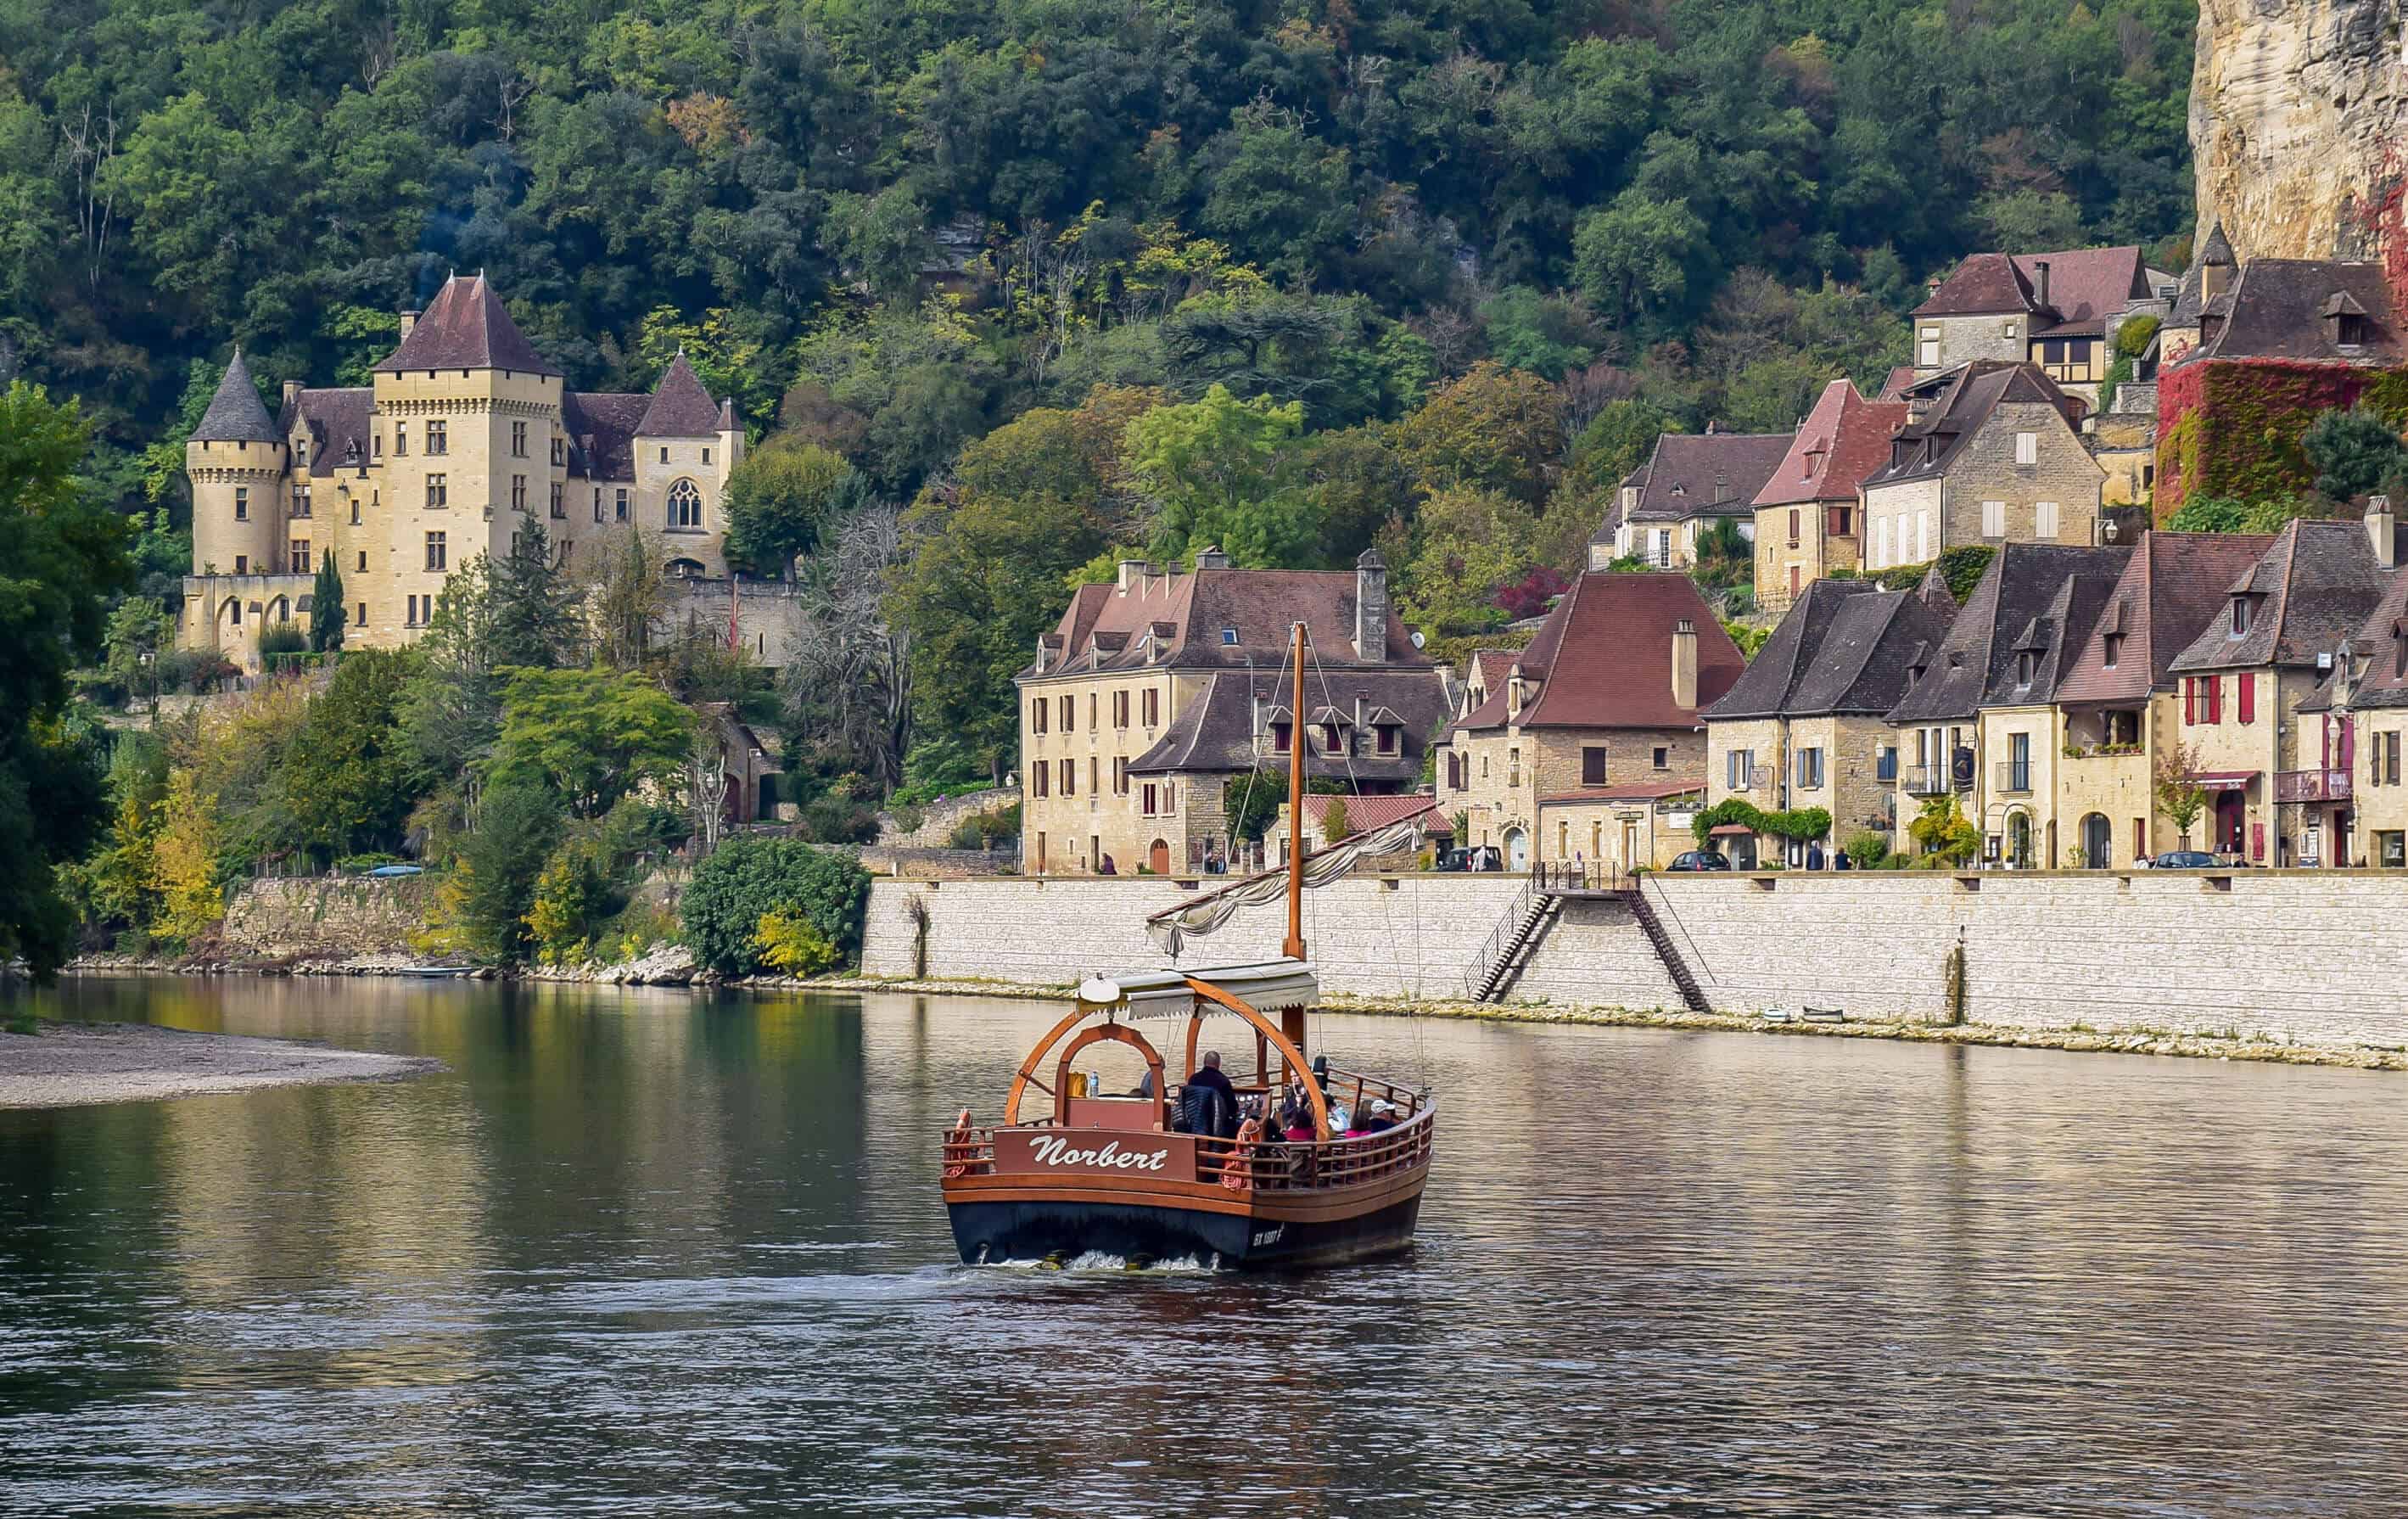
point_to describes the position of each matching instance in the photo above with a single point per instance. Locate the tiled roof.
(2277, 309)
(2053, 640)
(2383, 640)
(1895, 385)
(1957, 402)
(1705, 475)
(1843, 647)
(2085, 285)
(1844, 439)
(1630, 790)
(1216, 732)
(464, 327)
(235, 414)
(336, 422)
(1257, 606)
(1368, 812)
(680, 406)
(2174, 587)
(601, 428)
(1974, 663)
(1604, 657)
(2312, 587)
(2215, 252)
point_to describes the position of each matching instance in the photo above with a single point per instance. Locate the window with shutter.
(2247, 699)
(1591, 767)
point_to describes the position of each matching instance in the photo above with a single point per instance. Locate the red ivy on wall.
(2230, 427)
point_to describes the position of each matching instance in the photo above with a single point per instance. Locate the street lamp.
(150, 680)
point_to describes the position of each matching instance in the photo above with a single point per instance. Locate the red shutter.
(2248, 688)
(2214, 697)
(2190, 700)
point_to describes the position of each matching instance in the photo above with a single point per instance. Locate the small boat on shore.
(1137, 1176)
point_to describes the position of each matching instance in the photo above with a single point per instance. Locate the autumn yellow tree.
(191, 900)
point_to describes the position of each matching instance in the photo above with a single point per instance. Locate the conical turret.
(234, 413)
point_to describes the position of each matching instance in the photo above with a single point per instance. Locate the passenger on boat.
(1295, 1120)
(1382, 1116)
(1209, 1102)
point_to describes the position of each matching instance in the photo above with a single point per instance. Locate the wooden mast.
(1292, 1019)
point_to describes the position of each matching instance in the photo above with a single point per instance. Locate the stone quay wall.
(2316, 957)
(326, 916)
(937, 818)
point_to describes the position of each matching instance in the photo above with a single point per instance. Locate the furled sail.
(1173, 927)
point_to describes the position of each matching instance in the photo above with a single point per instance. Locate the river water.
(652, 1253)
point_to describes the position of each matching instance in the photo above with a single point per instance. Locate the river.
(655, 1252)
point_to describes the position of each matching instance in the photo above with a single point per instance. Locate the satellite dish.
(1417, 637)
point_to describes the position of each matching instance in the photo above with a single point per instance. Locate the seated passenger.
(1295, 1121)
(1209, 1102)
(1382, 1116)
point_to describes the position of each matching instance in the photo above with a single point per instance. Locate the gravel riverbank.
(69, 1065)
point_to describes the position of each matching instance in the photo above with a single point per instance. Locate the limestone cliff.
(2297, 112)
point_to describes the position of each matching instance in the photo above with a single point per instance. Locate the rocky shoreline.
(673, 967)
(77, 1064)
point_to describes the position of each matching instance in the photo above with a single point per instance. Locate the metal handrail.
(1497, 938)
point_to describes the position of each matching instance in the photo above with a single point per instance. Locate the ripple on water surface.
(645, 1255)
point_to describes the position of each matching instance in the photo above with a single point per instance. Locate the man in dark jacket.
(1209, 1100)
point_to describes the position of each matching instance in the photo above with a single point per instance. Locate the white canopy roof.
(1141, 994)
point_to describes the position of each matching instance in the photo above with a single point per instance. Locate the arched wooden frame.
(1115, 1034)
(1264, 1030)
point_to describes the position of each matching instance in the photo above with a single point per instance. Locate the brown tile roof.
(601, 428)
(464, 327)
(337, 423)
(680, 406)
(1895, 385)
(2215, 252)
(1365, 813)
(1630, 790)
(2174, 587)
(1957, 402)
(1218, 617)
(1974, 664)
(1705, 474)
(235, 414)
(1604, 657)
(2312, 587)
(1844, 439)
(1216, 733)
(2383, 642)
(2085, 285)
(1843, 647)
(2053, 640)
(2277, 309)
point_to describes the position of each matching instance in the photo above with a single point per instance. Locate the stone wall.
(326, 916)
(2311, 957)
(936, 819)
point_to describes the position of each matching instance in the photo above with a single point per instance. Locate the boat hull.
(1039, 1229)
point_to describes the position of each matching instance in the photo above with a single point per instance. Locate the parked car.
(390, 870)
(2186, 859)
(1700, 859)
(1476, 858)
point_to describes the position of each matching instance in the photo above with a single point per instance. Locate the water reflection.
(646, 1253)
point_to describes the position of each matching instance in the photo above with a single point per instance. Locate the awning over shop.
(2223, 779)
(1733, 830)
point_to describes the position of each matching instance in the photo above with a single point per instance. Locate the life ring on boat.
(961, 1127)
(1238, 1171)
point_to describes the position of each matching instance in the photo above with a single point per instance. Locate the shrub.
(284, 638)
(750, 879)
(787, 942)
(1869, 851)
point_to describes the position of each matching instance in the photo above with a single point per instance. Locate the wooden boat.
(1117, 1176)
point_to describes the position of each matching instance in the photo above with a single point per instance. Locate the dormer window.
(1228, 638)
(1330, 742)
(2240, 618)
(1279, 737)
(2023, 663)
(1385, 738)
(2112, 646)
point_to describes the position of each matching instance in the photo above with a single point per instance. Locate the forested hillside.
(1272, 234)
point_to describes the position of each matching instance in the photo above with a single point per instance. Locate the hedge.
(748, 879)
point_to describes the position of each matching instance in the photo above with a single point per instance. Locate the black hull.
(988, 1232)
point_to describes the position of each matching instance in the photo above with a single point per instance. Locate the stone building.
(2362, 712)
(2117, 703)
(1991, 452)
(1810, 513)
(2021, 735)
(2280, 778)
(1690, 481)
(1989, 658)
(1153, 690)
(1608, 695)
(1805, 725)
(2056, 310)
(465, 437)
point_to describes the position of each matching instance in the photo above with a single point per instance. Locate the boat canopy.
(1168, 993)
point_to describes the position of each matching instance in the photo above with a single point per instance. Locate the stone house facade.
(1990, 454)
(1810, 513)
(1156, 689)
(1804, 726)
(465, 438)
(1607, 695)
(2056, 310)
(2370, 694)
(1690, 481)
(2257, 717)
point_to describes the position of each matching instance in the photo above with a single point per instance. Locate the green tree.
(1494, 429)
(347, 775)
(59, 557)
(327, 612)
(535, 617)
(778, 500)
(750, 878)
(1468, 545)
(592, 735)
(494, 881)
(1224, 473)
(1942, 833)
(2355, 451)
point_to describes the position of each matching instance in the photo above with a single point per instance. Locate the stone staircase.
(1674, 964)
(1508, 950)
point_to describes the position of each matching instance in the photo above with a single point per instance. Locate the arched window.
(685, 506)
(686, 569)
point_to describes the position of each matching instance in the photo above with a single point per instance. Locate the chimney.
(408, 319)
(1211, 558)
(2378, 529)
(1372, 608)
(2041, 266)
(1040, 654)
(292, 393)
(1362, 708)
(1684, 664)
(1515, 691)
(1131, 571)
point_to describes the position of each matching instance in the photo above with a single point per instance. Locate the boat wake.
(1094, 1261)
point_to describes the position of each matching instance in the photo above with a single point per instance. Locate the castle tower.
(236, 461)
(685, 448)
